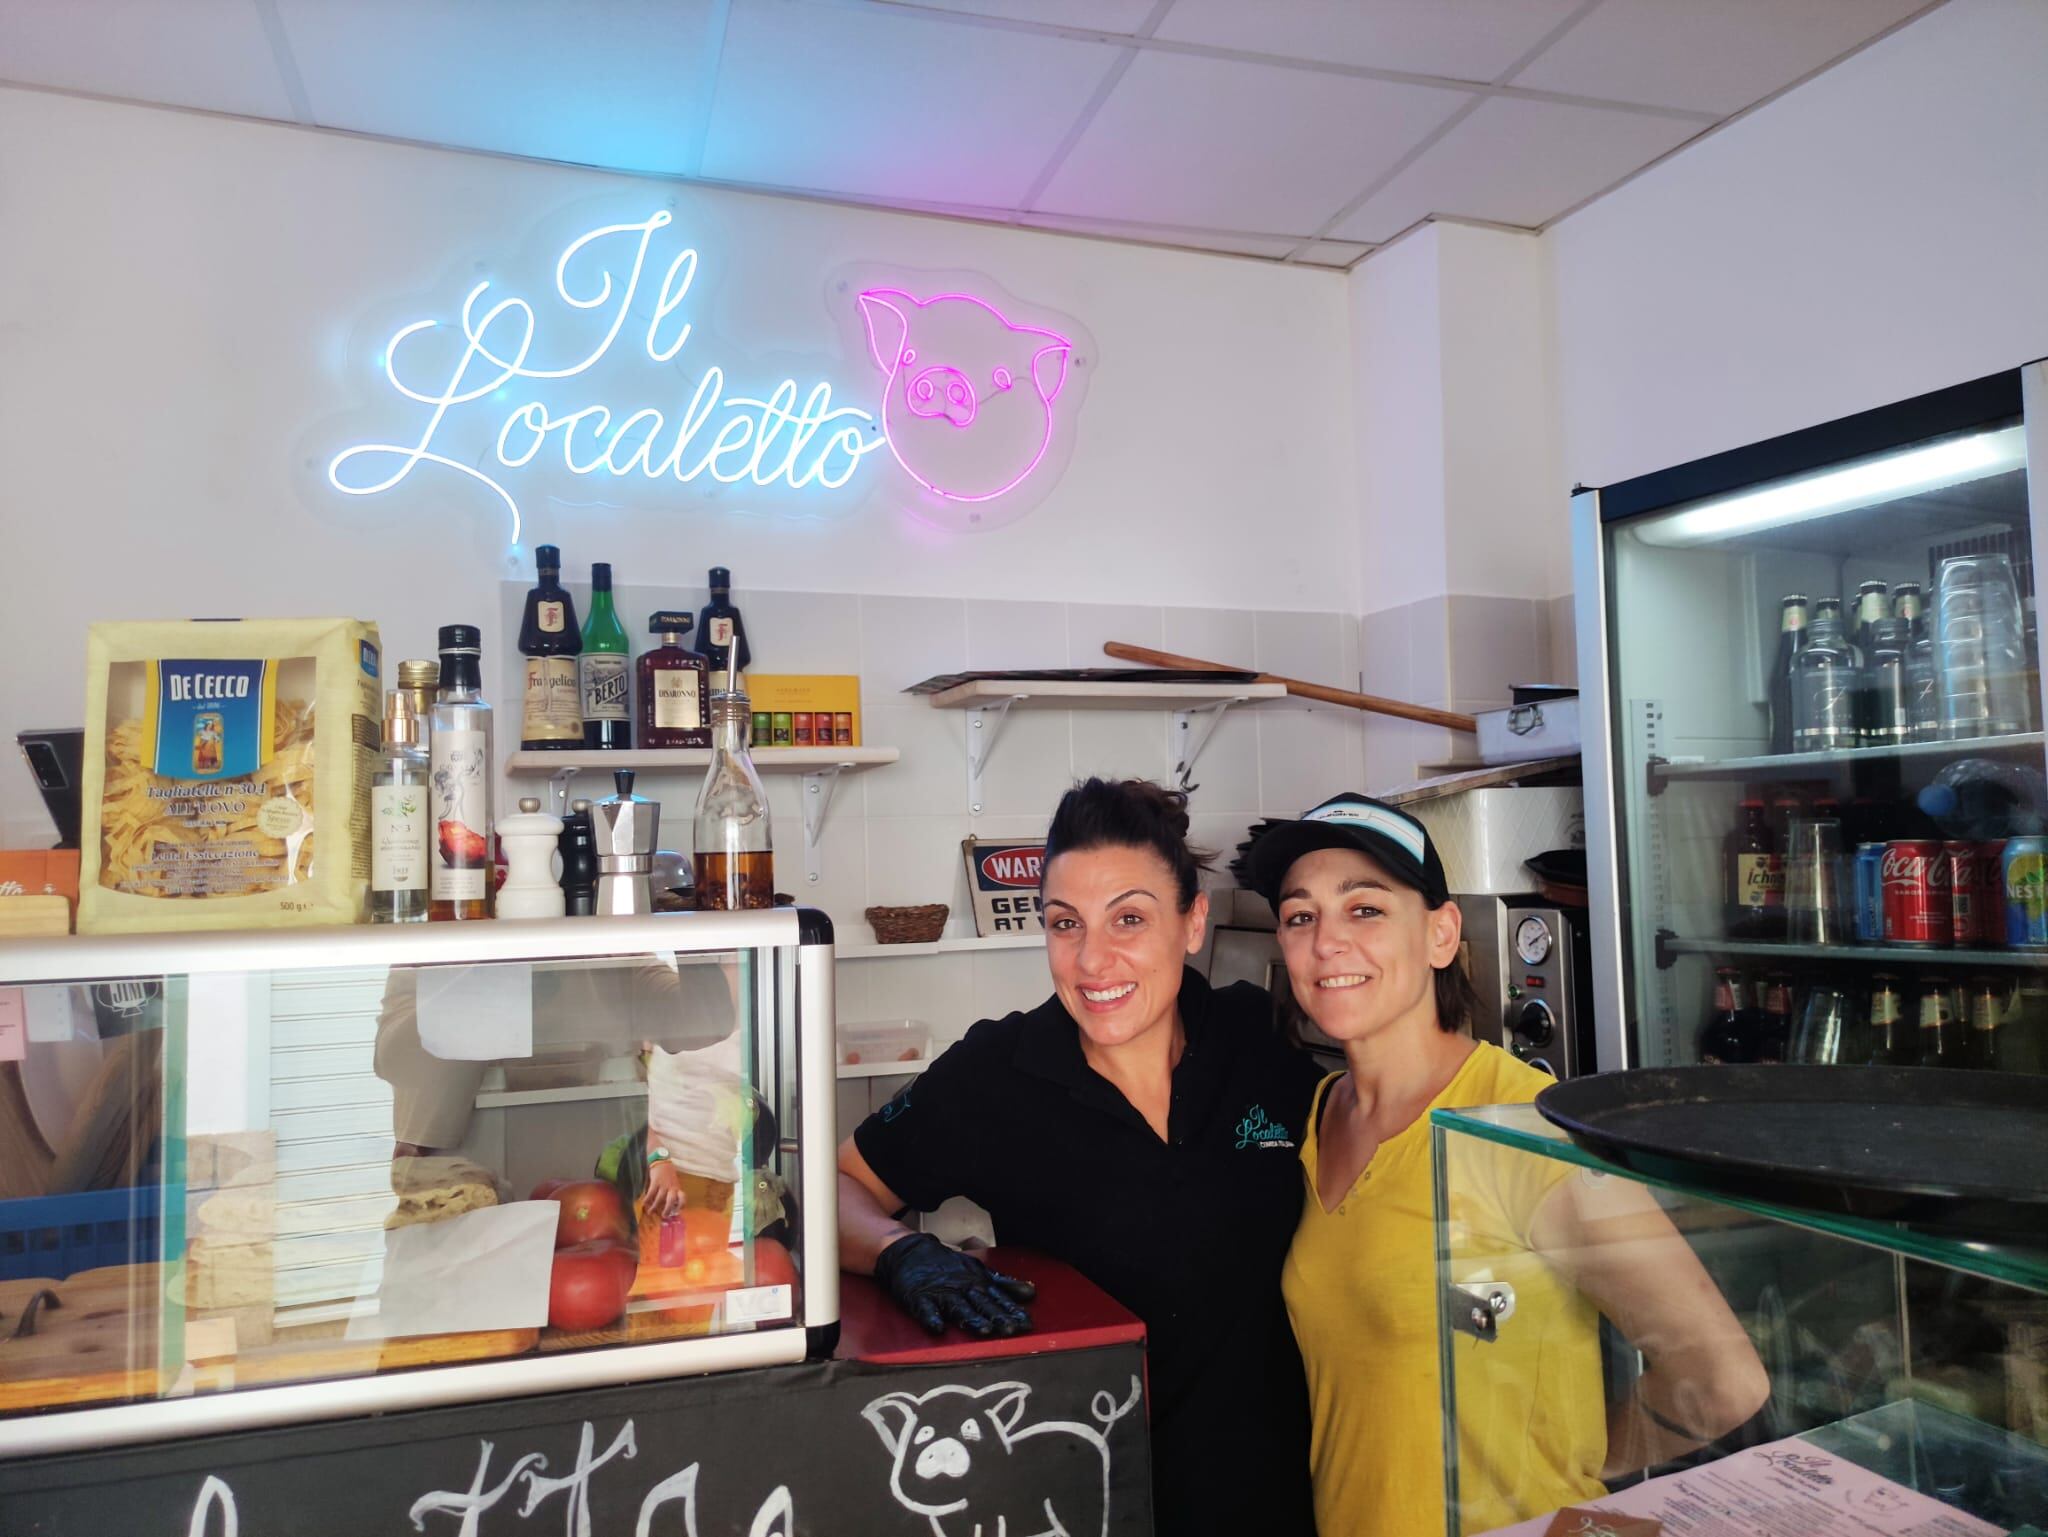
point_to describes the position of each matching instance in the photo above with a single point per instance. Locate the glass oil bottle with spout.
(735, 860)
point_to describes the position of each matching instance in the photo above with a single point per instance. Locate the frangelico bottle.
(735, 860)
(722, 634)
(552, 716)
(459, 756)
(605, 669)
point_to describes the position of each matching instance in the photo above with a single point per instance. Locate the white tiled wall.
(893, 834)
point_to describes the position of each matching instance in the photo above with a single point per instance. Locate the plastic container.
(54, 1236)
(880, 1042)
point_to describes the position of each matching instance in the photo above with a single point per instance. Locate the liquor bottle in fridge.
(1793, 613)
(1688, 581)
(1824, 692)
(1755, 875)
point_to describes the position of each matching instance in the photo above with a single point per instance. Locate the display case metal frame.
(1623, 950)
(794, 1048)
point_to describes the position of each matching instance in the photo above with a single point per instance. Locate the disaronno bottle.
(459, 869)
(399, 819)
(673, 700)
(552, 718)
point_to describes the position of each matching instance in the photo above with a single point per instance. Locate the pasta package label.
(209, 720)
(227, 773)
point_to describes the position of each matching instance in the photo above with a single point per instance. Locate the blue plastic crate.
(54, 1236)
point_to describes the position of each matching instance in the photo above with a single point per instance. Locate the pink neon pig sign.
(956, 410)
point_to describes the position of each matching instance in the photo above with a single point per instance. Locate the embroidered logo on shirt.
(1255, 1130)
(896, 1106)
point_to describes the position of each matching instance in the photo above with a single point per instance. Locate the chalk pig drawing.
(965, 1461)
(968, 404)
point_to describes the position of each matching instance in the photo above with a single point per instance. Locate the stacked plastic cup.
(1980, 649)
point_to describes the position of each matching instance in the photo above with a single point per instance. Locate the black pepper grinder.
(578, 844)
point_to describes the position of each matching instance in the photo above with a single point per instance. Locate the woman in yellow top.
(1370, 938)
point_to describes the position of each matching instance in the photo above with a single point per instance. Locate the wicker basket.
(908, 925)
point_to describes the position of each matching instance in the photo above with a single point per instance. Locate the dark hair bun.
(1129, 813)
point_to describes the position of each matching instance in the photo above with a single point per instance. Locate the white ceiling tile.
(1092, 15)
(192, 53)
(1226, 145)
(1227, 242)
(1707, 55)
(616, 83)
(1516, 162)
(1334, 253)
(1460, 39)
(870, 102)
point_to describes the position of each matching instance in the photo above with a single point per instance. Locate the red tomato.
(587, 1287)
(591, 1208)
(772, 1264)
(548, 1189)
(625, 1256)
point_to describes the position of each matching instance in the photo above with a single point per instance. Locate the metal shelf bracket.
(818, 787)
(984, 725)
(1190, 733)
(558, 790)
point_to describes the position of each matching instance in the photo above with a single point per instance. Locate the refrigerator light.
(1821, 495)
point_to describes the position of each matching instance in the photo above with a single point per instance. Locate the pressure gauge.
(1532, 941)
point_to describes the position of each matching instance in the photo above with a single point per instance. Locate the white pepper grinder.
(529, 839)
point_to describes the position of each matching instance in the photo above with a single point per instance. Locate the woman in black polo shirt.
(1139, 1126)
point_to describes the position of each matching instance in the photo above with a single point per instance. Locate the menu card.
(1789, 1488)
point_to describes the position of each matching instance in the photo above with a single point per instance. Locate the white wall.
(176, 292)
(1877, 233)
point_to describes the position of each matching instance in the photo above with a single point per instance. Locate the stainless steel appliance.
(1530, 963)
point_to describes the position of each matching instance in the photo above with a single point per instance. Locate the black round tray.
(1964, 1152)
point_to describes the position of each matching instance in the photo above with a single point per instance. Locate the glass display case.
(1717, 1364)
(247, 1179)
(1813, 743)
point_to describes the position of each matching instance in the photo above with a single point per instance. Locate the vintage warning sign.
(1004, 879)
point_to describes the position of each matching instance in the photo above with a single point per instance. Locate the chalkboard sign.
(1024, 1446)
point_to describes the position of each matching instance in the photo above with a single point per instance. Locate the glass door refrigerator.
(1814, 772)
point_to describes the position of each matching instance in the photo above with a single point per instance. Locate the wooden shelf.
(964, 944)
(769, 760)
(1100, 696)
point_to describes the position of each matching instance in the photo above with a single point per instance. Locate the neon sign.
(784, 435)
(961, 442)
(509, 389)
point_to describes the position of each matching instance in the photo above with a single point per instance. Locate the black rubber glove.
(937, 1286)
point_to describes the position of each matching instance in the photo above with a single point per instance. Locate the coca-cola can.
(1917, 906)
(1966, 894)
(1991, 917)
